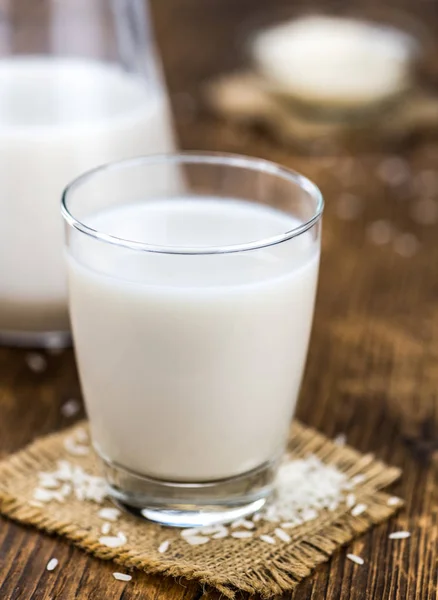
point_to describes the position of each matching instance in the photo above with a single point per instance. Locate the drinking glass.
(192, 281)
(80, 85)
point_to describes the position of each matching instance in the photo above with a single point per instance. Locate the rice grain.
(109, 514)
(241, 534)
(399, 535)
(196, 540)
(356, 559)
(242, 523)
(358, 479)
(359, 509)
(163, 547)
(268, 539)
(350, 500)
(122, 576)
(113, 541)
(105, 529)
(282, 535)
(52, 564)
(393, 501)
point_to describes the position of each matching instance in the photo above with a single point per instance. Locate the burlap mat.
(228, 564)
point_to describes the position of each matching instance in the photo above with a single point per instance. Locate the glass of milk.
(192, 282)
(80, 85)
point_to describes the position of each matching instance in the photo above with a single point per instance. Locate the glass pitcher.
(80, 85)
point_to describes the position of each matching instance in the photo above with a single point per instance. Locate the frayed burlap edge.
(281, 571)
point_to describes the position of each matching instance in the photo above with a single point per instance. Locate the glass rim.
(194, 157)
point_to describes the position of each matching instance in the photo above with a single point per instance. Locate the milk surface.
(191, 365)
(58, 118)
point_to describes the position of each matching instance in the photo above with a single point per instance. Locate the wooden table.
(373, 363)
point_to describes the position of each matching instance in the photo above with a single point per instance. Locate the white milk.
(191, 365)
(59, 118)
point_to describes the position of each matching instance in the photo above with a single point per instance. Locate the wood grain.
(373, 362)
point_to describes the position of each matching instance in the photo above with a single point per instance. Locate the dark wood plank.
(373, 363)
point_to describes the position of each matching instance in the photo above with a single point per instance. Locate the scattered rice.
(122, 576)
(358, 479)
(242, 523)
(216, 531)
(48, 480)
(163, 547)
(350, 500)
(241, 534)
(223, 533)
(399, 535)
(43, 495)
(73, 447)
(356, 559)
(109, 514)
(65, 470)
(81, 435)
(71, 480)
(105, 529)
(190, 531)
(268, 539)
(359, 509)
(70, 408)
(310, 514)
(36, 362)
(65, 490)
(282, 535)
(393, 501)
(113, 541)
(220, 535)
(196, 540)
(210, 530)
(304, 488)
(291, 524)
(52, 564)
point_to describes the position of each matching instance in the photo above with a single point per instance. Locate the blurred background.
(230, 70)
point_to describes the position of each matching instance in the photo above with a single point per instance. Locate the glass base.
(190, 504)
(49, 340)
